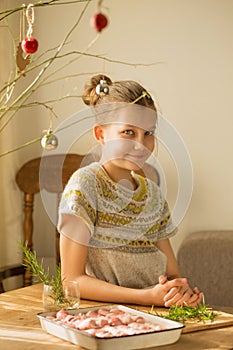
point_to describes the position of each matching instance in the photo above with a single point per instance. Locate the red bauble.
(29, 45)
(99, 21)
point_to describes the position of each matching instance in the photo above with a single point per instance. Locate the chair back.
(10, 271)
(51, 173)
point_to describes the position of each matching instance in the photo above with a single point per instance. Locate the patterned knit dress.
(125, 226)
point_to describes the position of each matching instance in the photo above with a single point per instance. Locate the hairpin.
(102, 87)
(145, 94)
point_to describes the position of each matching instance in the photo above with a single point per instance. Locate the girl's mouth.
(136, 157)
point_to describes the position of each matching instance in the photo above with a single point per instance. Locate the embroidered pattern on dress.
(121, 218)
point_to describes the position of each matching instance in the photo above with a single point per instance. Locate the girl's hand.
(161, 290)
(200, 297)
(183, 295)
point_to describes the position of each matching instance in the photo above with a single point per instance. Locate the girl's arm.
(73, 262)
(172, 270)
(181, 295)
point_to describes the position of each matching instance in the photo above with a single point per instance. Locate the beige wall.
(191, 43)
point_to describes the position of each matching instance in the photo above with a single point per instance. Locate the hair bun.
(90, 97)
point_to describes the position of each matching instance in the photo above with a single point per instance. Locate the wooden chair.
(10, 271)
(51, 173)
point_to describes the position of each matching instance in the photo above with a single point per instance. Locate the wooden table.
(20, 327)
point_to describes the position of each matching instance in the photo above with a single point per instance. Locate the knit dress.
(125, 226)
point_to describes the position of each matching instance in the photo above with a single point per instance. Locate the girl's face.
(128, 141)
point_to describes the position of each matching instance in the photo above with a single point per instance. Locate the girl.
(114, 222)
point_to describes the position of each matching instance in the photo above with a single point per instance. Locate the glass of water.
(71, 294)
(49, 298)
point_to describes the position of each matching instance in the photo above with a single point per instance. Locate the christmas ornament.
(99, 21)
(49, 141)
(21, 60)
(30, 44)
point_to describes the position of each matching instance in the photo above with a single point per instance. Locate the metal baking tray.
(169, 335)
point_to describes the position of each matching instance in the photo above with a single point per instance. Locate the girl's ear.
(98, 133)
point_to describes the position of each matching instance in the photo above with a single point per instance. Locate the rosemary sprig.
(37, 270)
(200, 313)
(31, 263)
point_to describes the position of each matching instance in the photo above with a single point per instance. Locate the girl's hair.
(119, 91)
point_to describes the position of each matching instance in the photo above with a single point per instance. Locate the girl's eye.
(149, 133)
(128, 132)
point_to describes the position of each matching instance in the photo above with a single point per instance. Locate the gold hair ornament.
(144, 94)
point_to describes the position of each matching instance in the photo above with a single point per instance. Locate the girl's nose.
(139, 144)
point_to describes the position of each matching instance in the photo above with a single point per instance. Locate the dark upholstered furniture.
(206, 259)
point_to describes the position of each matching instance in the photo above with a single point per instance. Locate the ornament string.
(30, 19)
(50, 121)
(21, 60)
(22, 23)
(99, 5)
